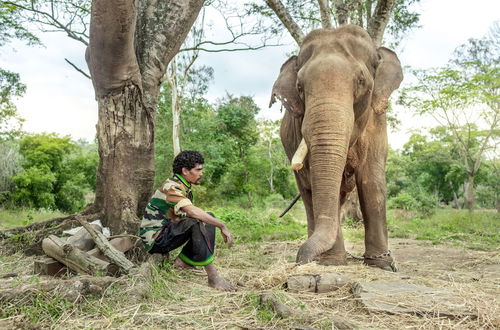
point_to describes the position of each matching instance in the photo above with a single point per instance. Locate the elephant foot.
(304, 258)
(383, 261)
(337, 259)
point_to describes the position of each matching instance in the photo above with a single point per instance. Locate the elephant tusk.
(299, 156)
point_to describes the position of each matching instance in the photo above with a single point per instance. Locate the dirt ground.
(184, 301)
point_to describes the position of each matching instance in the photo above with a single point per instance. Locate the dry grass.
(181, 299)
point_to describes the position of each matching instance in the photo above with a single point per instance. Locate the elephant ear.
(285, 88)
(388, 76)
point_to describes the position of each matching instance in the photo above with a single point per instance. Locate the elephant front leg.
(336, 256)
(371, 184)
(306, 196)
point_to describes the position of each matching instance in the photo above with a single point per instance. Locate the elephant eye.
(300, 90)
(361, 81)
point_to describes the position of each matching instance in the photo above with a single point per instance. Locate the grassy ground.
(261, 261)
(10, 218)
(477, 230)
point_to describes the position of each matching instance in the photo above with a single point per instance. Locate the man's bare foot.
(179, 264)
(218, 282)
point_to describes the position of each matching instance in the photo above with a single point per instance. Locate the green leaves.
(57, 173)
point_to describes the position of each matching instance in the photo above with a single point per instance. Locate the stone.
(397, 297)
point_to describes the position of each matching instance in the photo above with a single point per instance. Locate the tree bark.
(324, 10)
(287, 20)
(341, 10)
(131, 44)
(379, 20)
(469, 192)
(176, 109)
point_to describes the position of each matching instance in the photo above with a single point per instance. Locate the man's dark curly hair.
(187, 159)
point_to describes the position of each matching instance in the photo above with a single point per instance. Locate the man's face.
(193, 175)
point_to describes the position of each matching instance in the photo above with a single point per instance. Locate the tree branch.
(379, 20)
(77, 68)
(287, 20)
(341, 11)
(53, 21)
(324, 10)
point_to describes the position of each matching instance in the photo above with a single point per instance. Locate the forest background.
(453, 165)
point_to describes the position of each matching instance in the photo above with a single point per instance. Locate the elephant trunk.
(327, 130)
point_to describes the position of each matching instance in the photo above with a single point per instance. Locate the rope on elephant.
(354, 256)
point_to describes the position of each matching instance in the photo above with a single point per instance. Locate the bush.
(33, 188)
(419, 201)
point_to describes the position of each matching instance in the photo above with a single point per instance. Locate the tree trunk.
(131, 44)
(469, 192)
(324, 10)
(379, 20)
(455, 198)
(341, 11)
(126, 159)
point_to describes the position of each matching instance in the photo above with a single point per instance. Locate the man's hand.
(228, 238)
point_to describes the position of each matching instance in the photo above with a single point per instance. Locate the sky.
(61, 100)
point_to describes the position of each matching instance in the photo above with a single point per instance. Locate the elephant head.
(338, 80)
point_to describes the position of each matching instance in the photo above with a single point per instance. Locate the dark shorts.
(198, 237)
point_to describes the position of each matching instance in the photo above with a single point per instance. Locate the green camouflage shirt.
(165, 206)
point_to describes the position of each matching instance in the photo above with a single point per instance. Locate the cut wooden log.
(316, 282)
(76, 259)
(102, 243)
(82, 239)
(49, 266)
(122, 244)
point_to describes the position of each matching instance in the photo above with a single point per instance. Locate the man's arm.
(197, 213)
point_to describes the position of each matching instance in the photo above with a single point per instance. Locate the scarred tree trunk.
(131, 44)
(469, 192)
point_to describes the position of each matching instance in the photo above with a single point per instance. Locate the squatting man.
(171, 220)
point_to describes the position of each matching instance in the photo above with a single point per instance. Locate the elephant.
(335, 92)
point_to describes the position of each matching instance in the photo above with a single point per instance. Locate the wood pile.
(86, 252)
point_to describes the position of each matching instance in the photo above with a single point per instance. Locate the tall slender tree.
(464, 97)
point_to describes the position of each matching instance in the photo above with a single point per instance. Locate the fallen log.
(28, 239)
(76, 259)
(283, 311)
(277, 306)
(52, 267)
(70, 289)
(317, 283)
(122, 244)
(109, 251)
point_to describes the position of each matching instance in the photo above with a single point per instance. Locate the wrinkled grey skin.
(335, 93)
